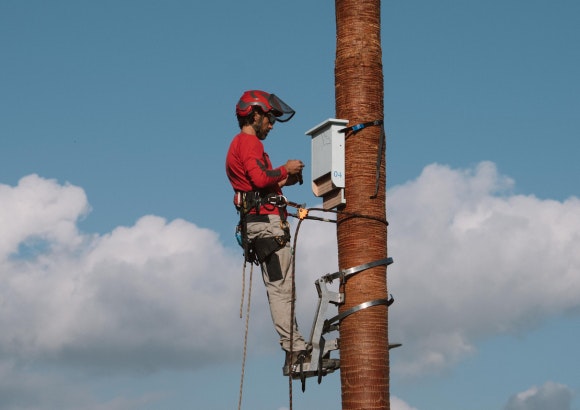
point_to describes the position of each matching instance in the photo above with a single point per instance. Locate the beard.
(261, 132)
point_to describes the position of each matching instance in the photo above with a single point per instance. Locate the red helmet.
(268, 102)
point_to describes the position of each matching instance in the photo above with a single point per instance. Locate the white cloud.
(471, 260)
(398, 404)
(39, 208)
(21, 388)
(154, 294)
(550, 395)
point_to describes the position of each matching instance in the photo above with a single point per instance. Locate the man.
(258, 198)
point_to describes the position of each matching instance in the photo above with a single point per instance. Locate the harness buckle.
(276, 200)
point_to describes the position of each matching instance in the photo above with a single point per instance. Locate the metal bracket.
(345, 274)
(356, 308)
(320, 362)
(351, 271)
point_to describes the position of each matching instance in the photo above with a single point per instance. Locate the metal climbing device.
(320, 363)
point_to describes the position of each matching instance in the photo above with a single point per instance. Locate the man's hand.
(294, 166)
(292, 180)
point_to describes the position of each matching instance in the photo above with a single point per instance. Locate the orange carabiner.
(302, 213)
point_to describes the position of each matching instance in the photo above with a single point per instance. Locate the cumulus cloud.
(22, 389)
(472, 260)
(39, 209)
(398, 404)
(154, 294)
(553, 396)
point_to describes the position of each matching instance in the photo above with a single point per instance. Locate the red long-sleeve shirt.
(248, 168)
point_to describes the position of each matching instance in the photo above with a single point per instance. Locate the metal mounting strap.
(360, 268)
(354, 309)
(344, 274)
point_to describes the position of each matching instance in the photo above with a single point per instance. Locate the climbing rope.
(247, 327)
(303, 213)
(243, 289)
(292, 308)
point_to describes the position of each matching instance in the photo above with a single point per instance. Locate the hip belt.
(246, 201)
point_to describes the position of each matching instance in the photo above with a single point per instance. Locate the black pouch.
(264, 247)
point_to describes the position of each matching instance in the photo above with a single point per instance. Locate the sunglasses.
(271, 118)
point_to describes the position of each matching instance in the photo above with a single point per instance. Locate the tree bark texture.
(364, 345)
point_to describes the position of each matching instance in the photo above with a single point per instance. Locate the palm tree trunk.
(364, 345)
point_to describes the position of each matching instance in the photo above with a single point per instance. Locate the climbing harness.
(257, 250)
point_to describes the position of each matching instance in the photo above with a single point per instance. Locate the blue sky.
(119, 275)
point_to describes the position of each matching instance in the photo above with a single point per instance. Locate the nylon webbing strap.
(357, 127)
(360, 126)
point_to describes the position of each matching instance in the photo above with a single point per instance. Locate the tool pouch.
(264, 247)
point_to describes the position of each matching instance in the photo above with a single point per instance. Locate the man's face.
(264, 123)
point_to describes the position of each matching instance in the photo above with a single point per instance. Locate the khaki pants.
(277, 275)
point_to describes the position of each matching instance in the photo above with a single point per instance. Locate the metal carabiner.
(281, 201)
